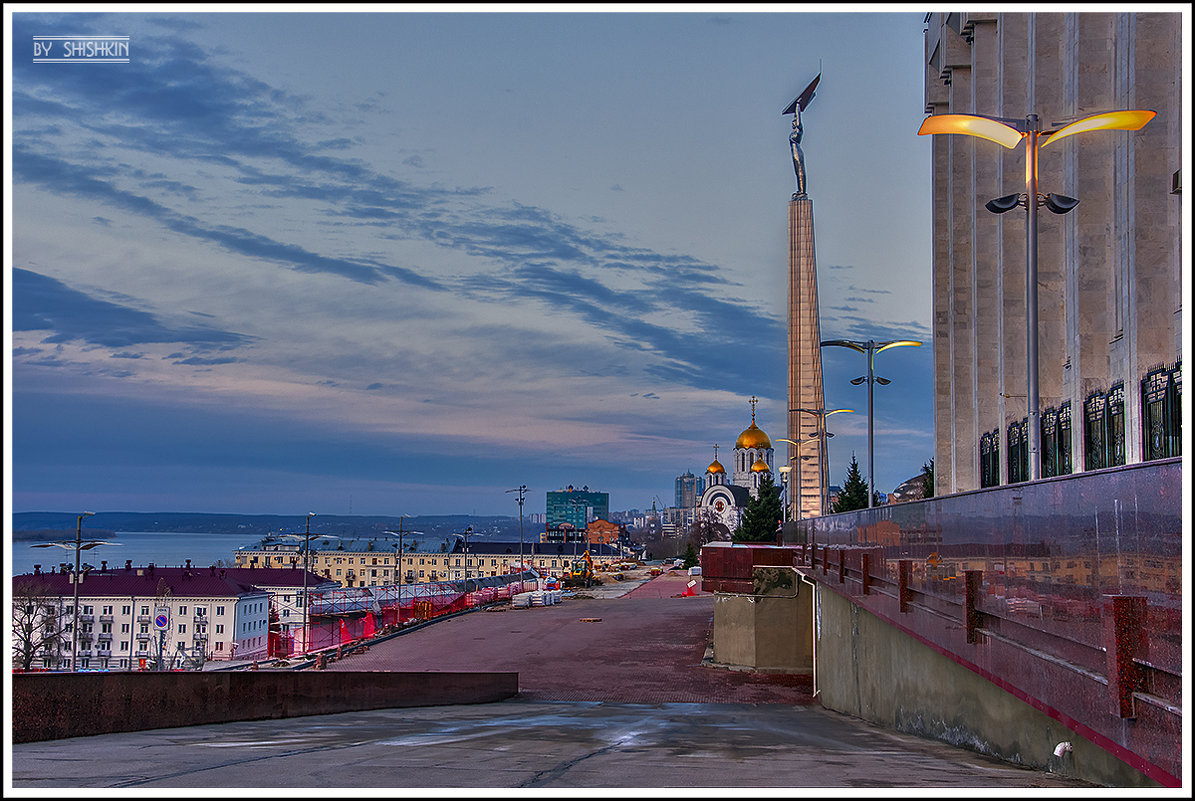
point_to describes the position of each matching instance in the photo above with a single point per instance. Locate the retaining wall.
(872, 670)
(51, 706)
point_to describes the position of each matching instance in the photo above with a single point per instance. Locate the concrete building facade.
(358, 564)
(1109, 272)
(211, 614)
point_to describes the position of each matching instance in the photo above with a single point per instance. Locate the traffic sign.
(162, 618)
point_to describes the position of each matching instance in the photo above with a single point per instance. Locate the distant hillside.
(490, 528)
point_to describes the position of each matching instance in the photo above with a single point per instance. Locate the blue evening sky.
(399, 263)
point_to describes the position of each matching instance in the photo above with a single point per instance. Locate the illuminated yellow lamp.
(972, 125)
(1124, 120)
(898, 343)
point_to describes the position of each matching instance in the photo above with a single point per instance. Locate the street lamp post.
(787, 468)
(306, 569)
(822, 436)
(75, 583)
(1010, 132)
(77, 546)
(871, 348)
(784, 471)
(468, 531)
(522, 490)
(399, 553)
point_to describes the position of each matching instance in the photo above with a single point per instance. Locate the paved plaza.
(615, 693)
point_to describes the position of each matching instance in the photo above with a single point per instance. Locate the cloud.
(44, 303)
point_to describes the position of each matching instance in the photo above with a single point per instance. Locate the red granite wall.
(51, 706)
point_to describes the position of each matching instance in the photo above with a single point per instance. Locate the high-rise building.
(1109, 272)
(577, 507)
(688, 489)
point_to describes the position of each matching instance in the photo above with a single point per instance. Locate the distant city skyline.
(400, 263)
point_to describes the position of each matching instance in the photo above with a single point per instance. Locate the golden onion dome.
(715, 467)
(753, 437)
(760, 466)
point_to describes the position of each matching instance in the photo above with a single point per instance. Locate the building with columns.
(1109, 272)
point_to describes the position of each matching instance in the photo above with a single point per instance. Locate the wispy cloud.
(44, 303)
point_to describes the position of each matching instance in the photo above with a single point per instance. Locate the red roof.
(186, 582)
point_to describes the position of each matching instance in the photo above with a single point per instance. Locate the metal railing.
(1066, 592)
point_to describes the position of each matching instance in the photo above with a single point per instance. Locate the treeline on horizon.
(62, 525)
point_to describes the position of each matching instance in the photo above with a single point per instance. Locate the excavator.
(580, 574)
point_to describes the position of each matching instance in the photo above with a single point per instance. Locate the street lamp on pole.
(468, 531)
(306, 569)
(871, 348)
(787, 468)
(1010, 132)
(77, 546)
(823, 469)
(399, 552)
(522, 490)
(784, 471)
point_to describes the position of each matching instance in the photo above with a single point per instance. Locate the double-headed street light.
(871, 348)
(522, 490)
(822, 436)
(1010, 132)
(77, 546)
(399, 534)
(797, 481)
(468, 531)
(306, 569)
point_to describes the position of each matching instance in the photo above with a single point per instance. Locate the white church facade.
(726, 495)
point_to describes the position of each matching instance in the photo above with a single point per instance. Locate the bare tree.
(36, 633)
(708, 527)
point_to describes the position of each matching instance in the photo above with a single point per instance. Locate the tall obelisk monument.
(809, 478)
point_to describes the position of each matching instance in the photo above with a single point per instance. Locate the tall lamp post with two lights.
(399, 534)
(522, 490)
(306, 570)
(77, 546)
(822, 436)
(1010, 132)
(871, 348)
(787, 469)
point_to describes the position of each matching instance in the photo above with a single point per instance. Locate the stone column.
(804, 363)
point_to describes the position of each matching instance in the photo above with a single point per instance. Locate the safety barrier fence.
(1065, 592)
(346, 615)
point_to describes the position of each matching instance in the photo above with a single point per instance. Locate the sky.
(404, 262)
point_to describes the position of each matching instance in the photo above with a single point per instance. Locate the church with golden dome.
(726, 495)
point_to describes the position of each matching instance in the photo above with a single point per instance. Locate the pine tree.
(927, 479)
(691, 558)
(854, 490)
(763, 514)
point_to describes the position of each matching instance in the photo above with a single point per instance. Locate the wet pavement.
(522, 744)
(616, 691)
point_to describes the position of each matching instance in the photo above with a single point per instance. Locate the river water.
(142, 547)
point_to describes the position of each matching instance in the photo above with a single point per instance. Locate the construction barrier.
(348, 614)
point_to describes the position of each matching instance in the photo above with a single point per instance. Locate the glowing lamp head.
(1123, 120)
(971, 125)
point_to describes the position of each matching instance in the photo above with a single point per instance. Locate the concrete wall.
(50, 706)
(871, 670)
(768, 629)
